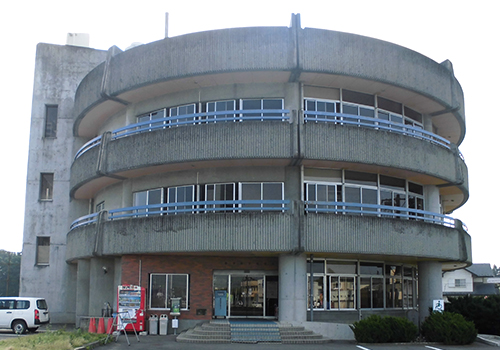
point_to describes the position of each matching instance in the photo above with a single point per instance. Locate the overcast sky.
(467, 33)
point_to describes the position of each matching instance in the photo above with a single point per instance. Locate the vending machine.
(131, 308)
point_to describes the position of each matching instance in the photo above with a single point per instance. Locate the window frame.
(46, 191)
(40, 259)
(50, 123)
(167, 293)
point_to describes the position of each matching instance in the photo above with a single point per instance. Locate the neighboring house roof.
(480, 270)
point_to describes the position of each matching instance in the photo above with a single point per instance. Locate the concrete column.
(102, 279)
(82, 290)
(292, 288)
(432, 200)
(430, 286)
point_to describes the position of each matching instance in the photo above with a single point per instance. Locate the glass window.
(321, 106)
(316, 192)
(340, 267)
(318, 292)
(154, 118)
(23, 304)
(267, 104)
(99, 207)
(354, 177)
(182, 111)
(50, 121)
(164, 287)
(342, 292)
(181, 194)
(393, 287)
(42, 250)
(220, 106)
(260, 192)
(219, 192)
(7, 304)
(46, 186)
(358, 97)
(148, 198)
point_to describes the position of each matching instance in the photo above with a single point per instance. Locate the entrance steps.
(244, 331)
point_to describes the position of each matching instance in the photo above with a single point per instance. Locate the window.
(220, 106)
(99, 207)
(159, 114)
(149, 197)
(318, 192)
(46, 186)
(6, 304)
(261, 192)
(164, 287)
(23, 304)
(321, 106)
(42, 250)
(393, 286)
(371, 285)
(219, 192)
(181, 194)
(181, 111)
(50, 121)
(460, 282)
(262, 104)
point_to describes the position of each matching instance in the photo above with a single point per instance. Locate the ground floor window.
(164, 287)
(349, 285)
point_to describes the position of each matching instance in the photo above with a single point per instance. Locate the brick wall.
(200, 269)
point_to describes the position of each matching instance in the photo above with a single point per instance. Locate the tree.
(10, 268)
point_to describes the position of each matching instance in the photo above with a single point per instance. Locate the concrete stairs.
(250, 331)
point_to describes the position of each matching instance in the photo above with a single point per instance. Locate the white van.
(23, 313)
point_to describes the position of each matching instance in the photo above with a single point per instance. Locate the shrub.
(376, 329)
(483, 311)
(449, 328)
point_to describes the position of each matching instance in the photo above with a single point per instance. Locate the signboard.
(438, 305)
(176, 307)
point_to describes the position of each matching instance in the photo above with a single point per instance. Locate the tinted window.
(41, 304)
(23, 304)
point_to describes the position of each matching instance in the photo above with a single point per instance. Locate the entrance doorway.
(249, 294)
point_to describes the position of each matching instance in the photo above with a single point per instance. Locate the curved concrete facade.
(307, 161)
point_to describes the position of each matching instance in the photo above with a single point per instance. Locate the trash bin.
(163, 324)
(153, 325)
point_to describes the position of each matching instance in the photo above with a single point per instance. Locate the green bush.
(376, 329)
(449, 328)
(483, 311)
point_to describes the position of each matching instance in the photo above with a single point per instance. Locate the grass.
(52, 340)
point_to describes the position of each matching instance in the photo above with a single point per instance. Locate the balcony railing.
(197, 207)
(241, 206)
(375, 123)
(191, 119)
(385, 211)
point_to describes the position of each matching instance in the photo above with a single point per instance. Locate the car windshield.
(41, 304)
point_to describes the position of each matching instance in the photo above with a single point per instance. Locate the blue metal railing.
(239, 206)
(84, 220)
(191, 119)
(376, 123)
(197, 207)
(378, 210)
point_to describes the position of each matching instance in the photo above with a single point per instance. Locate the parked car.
(23, 313)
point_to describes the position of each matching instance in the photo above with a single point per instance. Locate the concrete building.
(307, 173)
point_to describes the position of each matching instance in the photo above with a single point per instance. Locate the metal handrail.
(84, 220)
(193, 119)
(379, 210)
(377, 123)
(194, 207)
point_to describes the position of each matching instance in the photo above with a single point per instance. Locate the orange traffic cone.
(92, 325)
(109, 328)
(100, 327)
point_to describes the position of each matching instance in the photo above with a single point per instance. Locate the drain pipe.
(311, 286)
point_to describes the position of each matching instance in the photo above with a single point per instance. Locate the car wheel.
(19, 327)
(33, 330)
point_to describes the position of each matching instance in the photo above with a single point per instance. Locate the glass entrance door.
(253, 294)
(247, 296)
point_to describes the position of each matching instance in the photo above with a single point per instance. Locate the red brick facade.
(137, 268)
